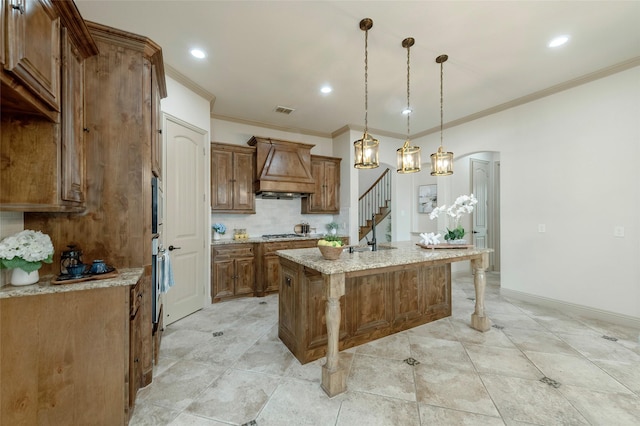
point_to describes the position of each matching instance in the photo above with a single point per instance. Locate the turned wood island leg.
(334, 379)
(478, 319)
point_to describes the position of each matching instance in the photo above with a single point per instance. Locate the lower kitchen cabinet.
(268, 263)
(64, 358)
(233, 271)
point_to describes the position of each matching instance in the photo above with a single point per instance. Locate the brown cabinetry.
(232, 169)
(268, 264)
(156, 125)
(64, 358)
(379, 302)
(233, 271)
(135, 342)
(43, 107)
(326, 197)
(32, 55)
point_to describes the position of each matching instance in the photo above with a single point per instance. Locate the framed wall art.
(427, 198)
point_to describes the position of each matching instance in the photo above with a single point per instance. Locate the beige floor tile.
(531, 401)
(236, 397)
(300, 403)
(373, 410)
(604, 408)
(147, 414)
(311, 371)
(441, 329)
(382, 376)
(492, 337)
(430, 415)
(504, 361)
(539, 341)
(441, 354)
(627, 373)
(396, 346)
(575, 371)
(185, 419)
(593, 346)
(266, 356)
(453, 389)
(180, 384)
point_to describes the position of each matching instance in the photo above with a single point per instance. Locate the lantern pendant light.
(441, 161)
(366, 149)
(408, 156)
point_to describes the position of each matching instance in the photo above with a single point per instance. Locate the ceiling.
(264, 54)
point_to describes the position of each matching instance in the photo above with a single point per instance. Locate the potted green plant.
(24, 252)
(218, 229)
(464, 204)
(332, 227)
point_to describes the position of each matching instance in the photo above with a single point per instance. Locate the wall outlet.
(542, 228)
(618, 231)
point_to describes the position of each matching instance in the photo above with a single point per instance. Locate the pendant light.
(366, 149)
(441, 161)
(408, 156)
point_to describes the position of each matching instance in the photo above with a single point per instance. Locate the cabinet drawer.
(233, 251)
(271, 248)
(136, 299)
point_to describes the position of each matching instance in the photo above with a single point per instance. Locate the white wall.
(10, 223)
(568, 161)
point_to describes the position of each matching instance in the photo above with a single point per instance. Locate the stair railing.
(376, 197)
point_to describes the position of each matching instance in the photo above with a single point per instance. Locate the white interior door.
(480, 184)
(184, 223)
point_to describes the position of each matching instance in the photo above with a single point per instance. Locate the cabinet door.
(287, 303)
(316, 200)
(33, 48)
(223, 278)
(244, 276)
(243, 196)
(221, 180)
(332, 186)
(73, 159)
(156, 126)
(271, 272)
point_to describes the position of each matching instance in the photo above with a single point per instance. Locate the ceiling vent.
(284, 110)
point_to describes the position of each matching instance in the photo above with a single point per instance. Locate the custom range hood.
(283, 168)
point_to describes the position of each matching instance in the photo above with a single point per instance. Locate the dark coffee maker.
(70, 257)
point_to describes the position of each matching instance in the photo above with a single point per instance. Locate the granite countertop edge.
(254, 240)
(403, 253)
(126, 277)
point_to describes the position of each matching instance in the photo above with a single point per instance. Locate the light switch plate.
(618, 231)
(542, 228)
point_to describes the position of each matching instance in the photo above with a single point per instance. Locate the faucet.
(373, 243)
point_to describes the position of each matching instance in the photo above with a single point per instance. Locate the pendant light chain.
(408, 104)
(366, 74)
(441, 101)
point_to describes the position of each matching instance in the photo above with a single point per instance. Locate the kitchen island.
(396, 288)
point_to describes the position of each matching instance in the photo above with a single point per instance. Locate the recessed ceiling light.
(407, 111)
(559, 41)
(326, 89)
(197, 53)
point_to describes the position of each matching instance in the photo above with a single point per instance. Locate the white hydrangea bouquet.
(26, 250)
(464, 204)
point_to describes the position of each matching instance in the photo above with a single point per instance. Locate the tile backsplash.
(272, 217)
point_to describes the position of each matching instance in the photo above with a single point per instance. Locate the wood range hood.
(283, 168)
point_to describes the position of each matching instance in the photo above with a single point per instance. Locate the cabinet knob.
(288, 281)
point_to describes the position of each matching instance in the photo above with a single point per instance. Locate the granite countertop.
(400, 253)
(253, 240)
(126, 277)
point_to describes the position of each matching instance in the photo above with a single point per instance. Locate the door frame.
(206, 208)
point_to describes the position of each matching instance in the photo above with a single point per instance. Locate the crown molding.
(271, 126)
(189, 84)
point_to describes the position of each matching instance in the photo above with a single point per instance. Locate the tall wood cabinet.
(232, 169)
(116, 225)
(326, 197)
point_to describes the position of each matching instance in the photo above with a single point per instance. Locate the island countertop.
(388, 254)
(128, 276)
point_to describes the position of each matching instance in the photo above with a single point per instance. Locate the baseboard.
(586, 311)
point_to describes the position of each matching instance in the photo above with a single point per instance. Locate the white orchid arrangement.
(26, 250)
(464, 204)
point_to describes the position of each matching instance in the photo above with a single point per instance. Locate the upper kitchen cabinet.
(232, 170)
(326, 197)
(156, 124)
(42, 162)
(31, 57)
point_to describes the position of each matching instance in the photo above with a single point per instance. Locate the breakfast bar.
(329, 305)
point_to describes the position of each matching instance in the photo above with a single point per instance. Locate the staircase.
(374, 204)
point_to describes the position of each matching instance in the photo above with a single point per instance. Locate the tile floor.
(225, 365)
